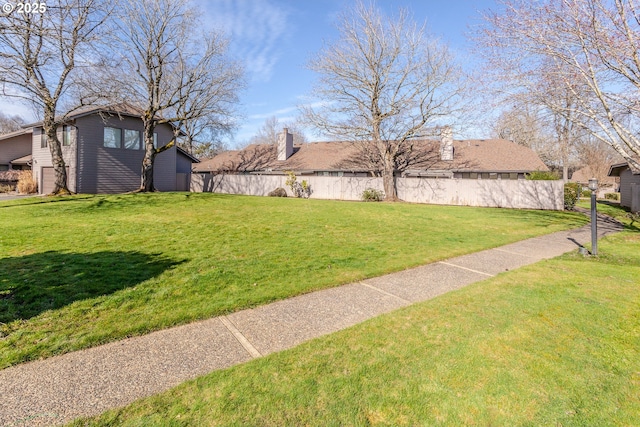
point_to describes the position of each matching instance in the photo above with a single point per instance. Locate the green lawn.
(556, 343)
(80, 271)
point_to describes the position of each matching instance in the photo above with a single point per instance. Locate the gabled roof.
(123, 109)
(495, 155)
(16, 133)
(186, 154)
(492, 155)
(584, 174)
(618, 168)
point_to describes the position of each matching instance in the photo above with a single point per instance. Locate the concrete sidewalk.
(88, 382)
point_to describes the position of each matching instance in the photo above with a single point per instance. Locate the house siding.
(183, 172)
(627, 179)
(14, 148)
(183, 164)
(118, 170)
(164, 176)
(41, 158)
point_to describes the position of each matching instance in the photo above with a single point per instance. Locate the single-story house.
(463, 172)
(465, 159)
(15, 150)
(103, 152)
(629, 185)
(606, 184)
(15, 155)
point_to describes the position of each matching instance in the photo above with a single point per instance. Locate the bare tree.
(383, 82)
(272, 127)
(589, 47)
(268, 133)
(10, 123)
(205, 149)
(174, 71)
(533, 87)
(523, 125)
(598, 157)
(203, 136)
(39, 57)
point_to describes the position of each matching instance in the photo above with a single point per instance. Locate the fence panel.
(521, 194)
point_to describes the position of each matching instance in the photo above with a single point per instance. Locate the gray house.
(103, 151)
(629, 186)
(15, 150)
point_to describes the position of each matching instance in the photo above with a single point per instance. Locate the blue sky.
(275, 38)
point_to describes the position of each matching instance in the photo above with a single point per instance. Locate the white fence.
(463, 192)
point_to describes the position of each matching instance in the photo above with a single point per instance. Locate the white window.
(112, 137)
(131, 139)
(66, 135)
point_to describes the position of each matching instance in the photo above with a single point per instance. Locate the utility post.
(593, 186)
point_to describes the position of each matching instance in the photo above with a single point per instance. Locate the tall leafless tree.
(598, 157)
(272, 127)
(203, 136)
(382, 83)
(174, 71)
(527, 125)
(10, 123)
(589, 47)
(522, 124)
(40, 54)
(511, 79)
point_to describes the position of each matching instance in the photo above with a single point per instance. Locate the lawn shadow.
(32, 284)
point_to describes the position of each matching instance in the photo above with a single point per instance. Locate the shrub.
(372, 195)
(291, 181)
(26, 183)
(278, 192)
(298, 189)
(306, 189)
(612, 196)
(5, 188)
(542, 176)
(571, 194)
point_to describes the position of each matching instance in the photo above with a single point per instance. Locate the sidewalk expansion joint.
(512, 253)
(241, 338)
(385, 293)
(465, 268)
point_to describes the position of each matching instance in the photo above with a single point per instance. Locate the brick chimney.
(285, 144)
(446, 143)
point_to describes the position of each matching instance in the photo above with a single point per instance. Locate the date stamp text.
(24, 7)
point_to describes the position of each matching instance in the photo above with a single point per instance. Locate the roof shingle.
(495, 155)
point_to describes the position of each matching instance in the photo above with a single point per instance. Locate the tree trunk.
(146, 184)
(49, 128)
(390, 193)
(388, 181)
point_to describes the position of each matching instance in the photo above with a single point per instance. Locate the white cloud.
(258, 29)
(277, 113)
(13, 107)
